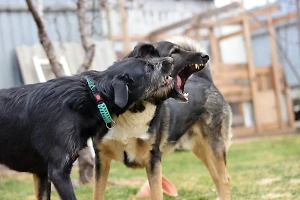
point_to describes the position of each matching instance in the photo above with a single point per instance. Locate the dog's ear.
(139, 44)
(145, 49)
(120, 88)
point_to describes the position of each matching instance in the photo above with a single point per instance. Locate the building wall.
(18, 28)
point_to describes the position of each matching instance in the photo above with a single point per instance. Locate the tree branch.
(45, 41)
(89, 49)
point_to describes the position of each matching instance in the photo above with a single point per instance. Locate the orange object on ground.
(167, 186)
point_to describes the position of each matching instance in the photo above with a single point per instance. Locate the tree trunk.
(85, 159)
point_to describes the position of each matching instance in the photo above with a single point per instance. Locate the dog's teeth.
(186, 95)
(197, 66)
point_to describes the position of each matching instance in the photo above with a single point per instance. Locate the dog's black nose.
(204, 56)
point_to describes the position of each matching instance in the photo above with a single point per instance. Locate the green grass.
(249, 165)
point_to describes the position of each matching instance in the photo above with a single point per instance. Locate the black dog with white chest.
(44, 125)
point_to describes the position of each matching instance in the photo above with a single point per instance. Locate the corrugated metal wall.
(18, 28)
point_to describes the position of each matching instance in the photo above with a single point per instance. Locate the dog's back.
(206, 107)
(20, 113)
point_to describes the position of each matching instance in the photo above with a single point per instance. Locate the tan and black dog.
(204, 122)
(143, 133)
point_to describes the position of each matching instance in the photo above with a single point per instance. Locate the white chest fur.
(131, 125)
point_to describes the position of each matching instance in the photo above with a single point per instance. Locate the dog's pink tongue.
(178, 81)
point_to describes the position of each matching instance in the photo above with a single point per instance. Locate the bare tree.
(85, 160)
(45, 41)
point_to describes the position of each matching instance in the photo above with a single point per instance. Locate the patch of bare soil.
(4, 171)
(267, 181)
(295, 181)
(277, 196)
(127, 182)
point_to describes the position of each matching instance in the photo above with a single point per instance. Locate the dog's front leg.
(154, 173)
(42, 187)
(102, 167)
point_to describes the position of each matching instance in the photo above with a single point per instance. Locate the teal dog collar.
(100, 103)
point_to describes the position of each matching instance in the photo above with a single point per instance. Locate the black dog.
(140, 135)
(44, 125)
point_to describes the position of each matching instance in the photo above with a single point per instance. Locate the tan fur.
(126, 135)
(155, 181)
(213, 160)
(36, 182)
(100, 184)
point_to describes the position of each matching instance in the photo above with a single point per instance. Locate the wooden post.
(215, 50)
(275, 70)
(126, 37)
(251, 69)
(289, 103)
(105, 6)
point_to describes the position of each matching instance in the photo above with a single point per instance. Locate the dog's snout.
(204, 56)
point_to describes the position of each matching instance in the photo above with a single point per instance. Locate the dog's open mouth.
(167, 80)
(181, 79)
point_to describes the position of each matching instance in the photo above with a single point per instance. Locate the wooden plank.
(231, 67)
(236, 19)
(270, 126)
(243, 131)
(220, 22)
(285, 17)
(263, 70)
(206, 14)
(28, 72)
(235, 98)
(253, 26)
(126, 38)
(215, 49)
(251, 71)
(264, 10)
(289, 103)
(233, 89)
(276, 70)
(267, 107)
(262, 83)
(232, 74)
(260, 24)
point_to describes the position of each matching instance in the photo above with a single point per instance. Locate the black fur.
(44, 125)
